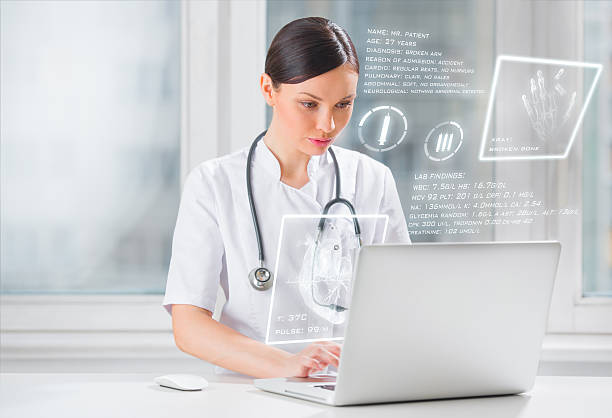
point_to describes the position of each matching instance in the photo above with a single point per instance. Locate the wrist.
(275, 362)
(282, 363)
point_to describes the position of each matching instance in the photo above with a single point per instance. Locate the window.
(439, 88)
(597, 178)
(90, 145)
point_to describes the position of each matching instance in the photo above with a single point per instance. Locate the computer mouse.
(182, 381)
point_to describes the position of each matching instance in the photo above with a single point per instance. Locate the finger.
(528, 109)
(541, 85)
(336, 358)
(315, 366)
(534, 96)
(334, 348)
(331, 344)
(310, 362)
(334, 351)
(331, 348)
(324, 356)
(321, 358)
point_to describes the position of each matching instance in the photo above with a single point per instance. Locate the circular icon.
(382, 128)
(443, 141)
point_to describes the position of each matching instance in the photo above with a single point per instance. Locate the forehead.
(332, 85)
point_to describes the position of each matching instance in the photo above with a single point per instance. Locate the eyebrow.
(318, 98)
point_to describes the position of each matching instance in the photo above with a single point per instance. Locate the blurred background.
(107, 105)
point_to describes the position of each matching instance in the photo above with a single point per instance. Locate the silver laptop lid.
(445, 320)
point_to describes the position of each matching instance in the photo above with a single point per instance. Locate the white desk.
(136, 395)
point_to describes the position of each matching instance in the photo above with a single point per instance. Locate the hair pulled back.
(306, 48)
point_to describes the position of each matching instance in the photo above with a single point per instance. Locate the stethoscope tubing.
(254, 275)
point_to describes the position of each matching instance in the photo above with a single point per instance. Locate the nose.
(325, 121)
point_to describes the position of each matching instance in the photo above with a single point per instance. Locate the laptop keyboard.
(328, 387)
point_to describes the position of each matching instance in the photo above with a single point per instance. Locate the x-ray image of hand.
(548, 104)
(326, 273)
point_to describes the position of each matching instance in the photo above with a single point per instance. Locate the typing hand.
(316, 357)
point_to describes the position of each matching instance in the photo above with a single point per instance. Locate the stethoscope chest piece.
(260, 278)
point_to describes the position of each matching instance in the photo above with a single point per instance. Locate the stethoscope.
(260, 277)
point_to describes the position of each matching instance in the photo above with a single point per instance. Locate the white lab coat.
(214, 239)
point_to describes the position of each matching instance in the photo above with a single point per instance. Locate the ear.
(266, 89)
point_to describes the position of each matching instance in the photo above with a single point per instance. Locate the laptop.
(438, 320)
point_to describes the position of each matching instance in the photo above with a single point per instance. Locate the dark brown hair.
(306, 48)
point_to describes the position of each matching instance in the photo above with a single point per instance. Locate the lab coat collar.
(264, 157)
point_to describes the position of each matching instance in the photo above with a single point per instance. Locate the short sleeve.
(196, 262)
(397, 230)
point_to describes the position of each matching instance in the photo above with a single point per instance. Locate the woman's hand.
(313, 358)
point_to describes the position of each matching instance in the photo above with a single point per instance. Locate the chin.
(319, 150)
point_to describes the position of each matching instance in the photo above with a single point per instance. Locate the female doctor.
(310, 80)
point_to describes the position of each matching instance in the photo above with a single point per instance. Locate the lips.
(321, 141)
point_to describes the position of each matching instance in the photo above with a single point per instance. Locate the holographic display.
(311, 294)
(535, 110)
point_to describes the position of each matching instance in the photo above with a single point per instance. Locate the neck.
(293, 163)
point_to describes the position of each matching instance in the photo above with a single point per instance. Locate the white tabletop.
(136, 395)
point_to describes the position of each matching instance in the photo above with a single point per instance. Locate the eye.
(345, 105)
(308, 105)
(312, 105)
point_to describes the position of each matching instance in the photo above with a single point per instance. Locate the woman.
(310, 80)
